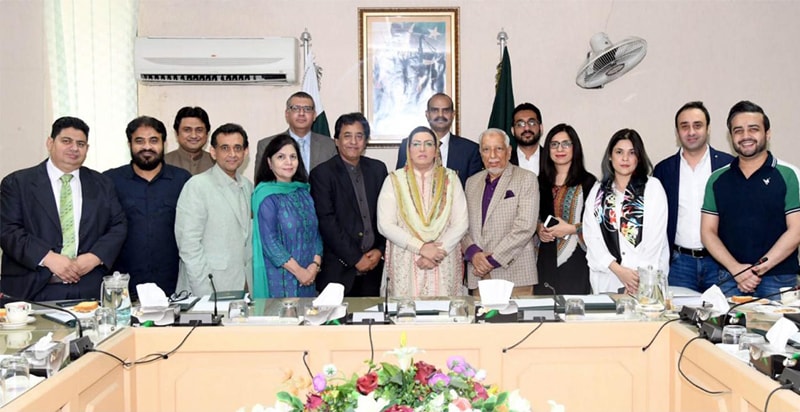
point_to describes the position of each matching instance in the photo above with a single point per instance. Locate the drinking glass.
(458, 311)
(749, 339)
(575, 309)
(288, 311)
(89, 326)
(626, 307)
(114, 292)
(238, 311)
(106, 319)
(55, 359)
(731, 334)
(14, 376)
(406, 311)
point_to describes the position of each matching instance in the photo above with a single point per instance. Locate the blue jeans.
(695, 273)
(770, 285)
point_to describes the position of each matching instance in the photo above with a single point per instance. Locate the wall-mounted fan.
(609, 61)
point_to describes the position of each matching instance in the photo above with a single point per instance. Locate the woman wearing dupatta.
(625, 218)
(422, 212)
(563, 186)
(287, 246)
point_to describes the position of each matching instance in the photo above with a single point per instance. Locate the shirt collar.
(54, 173)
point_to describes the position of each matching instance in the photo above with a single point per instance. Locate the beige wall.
(717, 51)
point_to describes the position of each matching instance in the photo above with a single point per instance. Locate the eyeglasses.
(227, 148)
(178, 296)
(296, 108)
(566, 144)
(530, 123)
(428, 144)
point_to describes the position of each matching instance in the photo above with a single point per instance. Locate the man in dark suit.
(691, 265)
(45, 204)
(345, 191)
(314, 148)
(458, 153)
(527, 128)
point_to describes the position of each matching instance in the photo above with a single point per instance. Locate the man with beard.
(750, 222)
(458, 153)
(684, 176)
(148, 190)
(213, 224)
(503, 206)
(191, 130)
(527, 128)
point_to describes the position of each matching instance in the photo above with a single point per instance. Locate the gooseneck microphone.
(386, 301)
(712, 328)
(734, 276)
(547, 285)
(215, 318)
(79, 345)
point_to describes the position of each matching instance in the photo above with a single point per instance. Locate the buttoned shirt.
(444, 148)
(305, 148)
(194, 163)
(357, 179)
(691, 190)
(531, 164)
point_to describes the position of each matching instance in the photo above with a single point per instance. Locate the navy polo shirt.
(752, 211)
(150, 252)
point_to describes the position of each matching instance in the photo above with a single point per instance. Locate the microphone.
(547, 285)
(760, 261)
(386, 301)
(712, 328)
(202, 319)
(214, 289)
(78, 346)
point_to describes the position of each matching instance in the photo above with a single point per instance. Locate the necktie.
(305, 153)
(67, 218)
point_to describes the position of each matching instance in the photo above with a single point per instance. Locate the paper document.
(535, 303)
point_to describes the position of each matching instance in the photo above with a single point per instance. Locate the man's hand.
(748, 281)
(363, 264)
(85, 263)
(481, 263)
(61, 266)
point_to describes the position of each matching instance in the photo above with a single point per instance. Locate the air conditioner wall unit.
(227, 61)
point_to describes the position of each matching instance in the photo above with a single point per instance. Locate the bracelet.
(319, 268)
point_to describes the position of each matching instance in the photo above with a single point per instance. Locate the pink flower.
(462, 404)
(399, 408)
(439, 377)
(367, 383)
(320, 382)
(424, 371)
(313, 401)
(480, 391)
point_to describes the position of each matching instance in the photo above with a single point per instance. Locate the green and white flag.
(311, 79)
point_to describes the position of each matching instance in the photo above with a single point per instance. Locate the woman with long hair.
(564, 184)
(625, 219)
(422, 212)
(287, 246)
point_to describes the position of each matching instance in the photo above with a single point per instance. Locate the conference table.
(590, 365)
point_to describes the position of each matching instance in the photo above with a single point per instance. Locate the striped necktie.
(67, 218)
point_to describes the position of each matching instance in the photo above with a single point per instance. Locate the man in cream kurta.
(213, 225)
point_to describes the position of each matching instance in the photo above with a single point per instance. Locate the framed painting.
(407, 55)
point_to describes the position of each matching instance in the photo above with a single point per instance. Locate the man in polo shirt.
(148, 190)
(684, 176)
(750, 223)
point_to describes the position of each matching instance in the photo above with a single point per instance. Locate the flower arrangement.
(407, 386)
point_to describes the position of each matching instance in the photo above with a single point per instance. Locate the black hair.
(265, 174)
(65, 123)
(348, 119)
(189, 111)
(229, 128)
(146, 121)
(746, 106)
(527, 106)
(693, 105)
(577, 170)
(643, 165)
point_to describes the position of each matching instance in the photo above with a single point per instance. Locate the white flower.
(405, 354)
(367, 403)
(480, 375)
(329, 370)
(436, 404)
(517, 403)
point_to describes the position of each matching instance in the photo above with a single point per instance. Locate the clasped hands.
(431, 255)
(562, 229)
(70, 270)
(368, 261)
(747, 280)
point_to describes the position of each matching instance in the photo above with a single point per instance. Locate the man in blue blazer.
(39, 261)
(345, 191)
(458, 153)
(684, 177)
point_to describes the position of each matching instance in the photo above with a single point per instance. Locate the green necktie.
(67, 218)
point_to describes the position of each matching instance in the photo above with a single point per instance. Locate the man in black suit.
(458, 153)
(345, 191)
(39, 262)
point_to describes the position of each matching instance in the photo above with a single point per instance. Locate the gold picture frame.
(407, 55)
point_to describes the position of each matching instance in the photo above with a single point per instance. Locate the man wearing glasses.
(212, 223)
(314, 148)
(527, 130)
(62, 225)
(458, 153)
(148, 190)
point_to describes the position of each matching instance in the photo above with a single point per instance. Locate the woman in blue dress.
(287, 246)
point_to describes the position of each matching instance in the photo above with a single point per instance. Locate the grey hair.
(496, 131)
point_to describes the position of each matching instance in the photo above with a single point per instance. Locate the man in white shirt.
(527, 128)
(684, 176)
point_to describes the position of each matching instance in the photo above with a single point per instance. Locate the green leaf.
(288, 398)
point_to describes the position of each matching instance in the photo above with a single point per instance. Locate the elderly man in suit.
(345, 191)
(458, 153)
(503, 205)
(314, 148)
(62, 225)
(212, 222)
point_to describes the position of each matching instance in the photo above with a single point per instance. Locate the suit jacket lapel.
(499, 191)
(90, 199)
(43, 193)
(222, 180)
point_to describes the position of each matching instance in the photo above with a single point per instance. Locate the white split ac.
(163, 60)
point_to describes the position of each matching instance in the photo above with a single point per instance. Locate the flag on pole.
(503, 106)
(311, 86)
